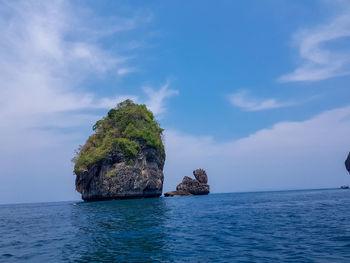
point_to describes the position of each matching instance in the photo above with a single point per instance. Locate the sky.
(254, 92)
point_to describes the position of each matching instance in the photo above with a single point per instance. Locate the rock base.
(112, 178)
(177, 193)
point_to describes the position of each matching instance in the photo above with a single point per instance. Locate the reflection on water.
(124, 230)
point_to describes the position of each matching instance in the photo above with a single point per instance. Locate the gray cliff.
(113, 178)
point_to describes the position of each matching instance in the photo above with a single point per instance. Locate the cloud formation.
(241, 100)
(156, 98)
(126, 70)
(321, 60)
(289, 155)
(46, 52)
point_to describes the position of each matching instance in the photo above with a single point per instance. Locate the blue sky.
(256, 92)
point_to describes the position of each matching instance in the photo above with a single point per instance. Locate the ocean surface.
(288, 226)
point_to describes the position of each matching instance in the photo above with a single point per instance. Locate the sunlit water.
(291, 226)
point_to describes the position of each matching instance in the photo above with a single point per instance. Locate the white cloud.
(48, 49)
(320, 61)
(289, 155)
(46, 52)
(156, 98)
(126, 70)
(241, 100)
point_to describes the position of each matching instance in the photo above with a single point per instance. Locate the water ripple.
(294, 226)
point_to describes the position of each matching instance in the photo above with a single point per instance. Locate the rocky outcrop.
(201, 176)
(114, 178)
(193, 186)
(190, 186)
(347, 163)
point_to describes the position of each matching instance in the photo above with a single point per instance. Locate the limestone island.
(124, 158)
(190, 186)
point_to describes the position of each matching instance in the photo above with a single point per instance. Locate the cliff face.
(190, 186)
(124, 158)
(113, 178)
(347, 163)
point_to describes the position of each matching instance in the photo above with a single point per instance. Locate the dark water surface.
(291, 226)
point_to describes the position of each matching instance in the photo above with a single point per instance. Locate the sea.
(286, 226)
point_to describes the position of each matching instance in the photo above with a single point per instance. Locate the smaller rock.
(201, 176)
(190, 186)
(177, 193)
(193, 186)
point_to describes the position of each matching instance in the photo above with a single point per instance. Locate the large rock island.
(124, 158)
(190, 186)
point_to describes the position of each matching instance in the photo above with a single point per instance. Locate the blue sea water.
(289, 226)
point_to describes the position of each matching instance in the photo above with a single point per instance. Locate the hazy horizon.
(243, 192)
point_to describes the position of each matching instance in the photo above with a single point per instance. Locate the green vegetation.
(123, 129)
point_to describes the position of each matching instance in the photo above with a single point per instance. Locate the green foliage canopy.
(122, 129)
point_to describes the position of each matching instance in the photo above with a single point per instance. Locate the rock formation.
(124, 158)
(190, 186)
(113, 178)
(347, 163)
(201, 176)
